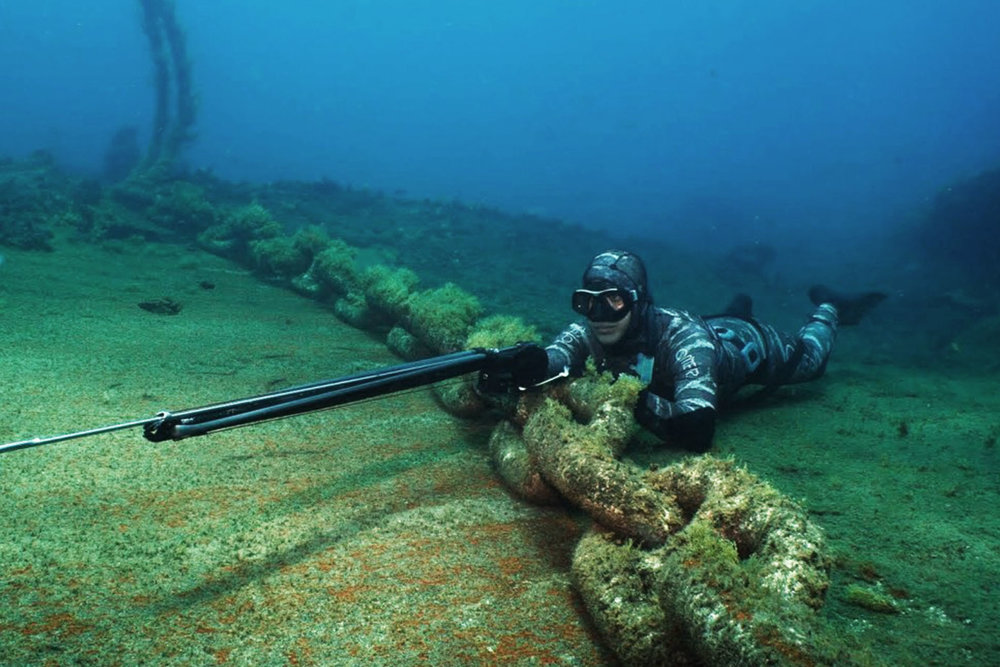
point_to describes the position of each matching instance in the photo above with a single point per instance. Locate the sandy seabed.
(377, 533)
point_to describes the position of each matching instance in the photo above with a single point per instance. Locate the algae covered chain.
(674, 542)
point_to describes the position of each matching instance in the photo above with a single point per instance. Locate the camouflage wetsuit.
(691, 364)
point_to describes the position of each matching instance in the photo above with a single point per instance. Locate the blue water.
(766, 121)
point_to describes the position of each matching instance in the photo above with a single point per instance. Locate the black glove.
(647, 418)
(517, 367)
(691, 430)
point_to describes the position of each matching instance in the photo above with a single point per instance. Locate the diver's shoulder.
(673, 323)
(677, 315)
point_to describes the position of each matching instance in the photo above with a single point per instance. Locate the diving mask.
(607, 305)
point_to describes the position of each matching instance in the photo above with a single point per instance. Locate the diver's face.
(609, 333)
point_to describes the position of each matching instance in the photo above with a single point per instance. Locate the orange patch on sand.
(573, 633)
(490, 532)
(348, 593)
(421, 543)
(794, 654)
(510, 565)
(450, 481)
(62, 624)
(231, 616)
(302, 655)
(173, 509)
(375, 548)
(523, 646)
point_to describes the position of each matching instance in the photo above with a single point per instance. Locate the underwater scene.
(544, 333)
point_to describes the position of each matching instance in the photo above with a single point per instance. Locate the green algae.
(406, 345)
(281, 257)
(334, 269)
(185, 207)
(389, 289)
(238, 229)
(871, 599)
(443, 317)
(495, 331)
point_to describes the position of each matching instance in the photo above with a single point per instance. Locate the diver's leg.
(802, 357)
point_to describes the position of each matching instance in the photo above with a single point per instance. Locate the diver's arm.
(689, 418)
(568, 353)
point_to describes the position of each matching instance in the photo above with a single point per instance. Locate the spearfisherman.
(690, 365)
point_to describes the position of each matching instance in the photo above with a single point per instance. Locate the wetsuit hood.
(625, 271)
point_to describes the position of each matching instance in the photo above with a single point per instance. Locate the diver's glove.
(646, 414)
(691, 430)
(520, 366)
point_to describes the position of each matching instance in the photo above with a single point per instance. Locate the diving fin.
(851, 307)
(740, 306)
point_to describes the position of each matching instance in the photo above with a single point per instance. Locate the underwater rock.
(162, 306)
(32, 199)
(25, 233)
(871, 599)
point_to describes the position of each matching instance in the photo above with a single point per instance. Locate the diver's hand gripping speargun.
(519, 366)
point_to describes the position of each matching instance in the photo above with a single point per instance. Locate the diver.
(688, 364)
